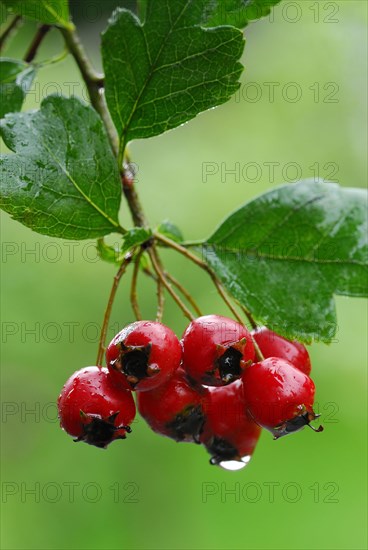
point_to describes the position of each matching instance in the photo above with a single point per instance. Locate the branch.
(36, 42)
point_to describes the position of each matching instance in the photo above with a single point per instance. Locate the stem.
(133, 290)
(184, 292)
(36, 43)
(257, 349)
(160, 301)
(160, 292)
(249, 316)
(161, 276)
(115, 284)
(9, 30)
(135, 206)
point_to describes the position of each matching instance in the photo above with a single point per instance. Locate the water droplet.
(234, 465)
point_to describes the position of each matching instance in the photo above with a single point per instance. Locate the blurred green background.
(302, 492)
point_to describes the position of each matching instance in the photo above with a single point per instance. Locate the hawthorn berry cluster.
(207, 388)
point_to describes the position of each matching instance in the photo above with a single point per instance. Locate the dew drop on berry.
(234, 465)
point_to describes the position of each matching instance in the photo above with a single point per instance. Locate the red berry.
(143, 355)
(216, 350)
(279, 397)
(272, 344)
(175, 409)
(229, 435)
(93, 410)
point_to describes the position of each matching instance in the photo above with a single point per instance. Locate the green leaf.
(3, 14)
(238, 13)
(16, 78)
(141, 9)
(52, 12)
(108, 253)
(63, 180)
(164, 72)
(168, 229)
(135, 237)
(284, 254)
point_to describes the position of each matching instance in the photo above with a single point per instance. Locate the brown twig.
(36, 42)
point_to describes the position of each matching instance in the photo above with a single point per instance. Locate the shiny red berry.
(92, 409)
(278, 396)
(229, 435)
(143, 355)
(175, 409)
(216, 350)
(272, 344)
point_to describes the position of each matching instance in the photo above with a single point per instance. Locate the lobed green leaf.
(286, 253)
(238, 13)
(16, 78)
(163, 72)
(52, 12)
(63, 180)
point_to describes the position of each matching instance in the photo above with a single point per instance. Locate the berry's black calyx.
(188, 425)
(221, 450)
(296, 424)
(229, 365)
(100, 431)
(135, 362)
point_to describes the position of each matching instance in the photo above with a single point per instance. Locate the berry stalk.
(133, 290)
(105, 324)
(161, 276)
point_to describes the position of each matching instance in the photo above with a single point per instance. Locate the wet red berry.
(229, 435)
(143, 355)
(278, 396)
(175, 409)
(272, 344)
(92, 409)
(216, 350)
